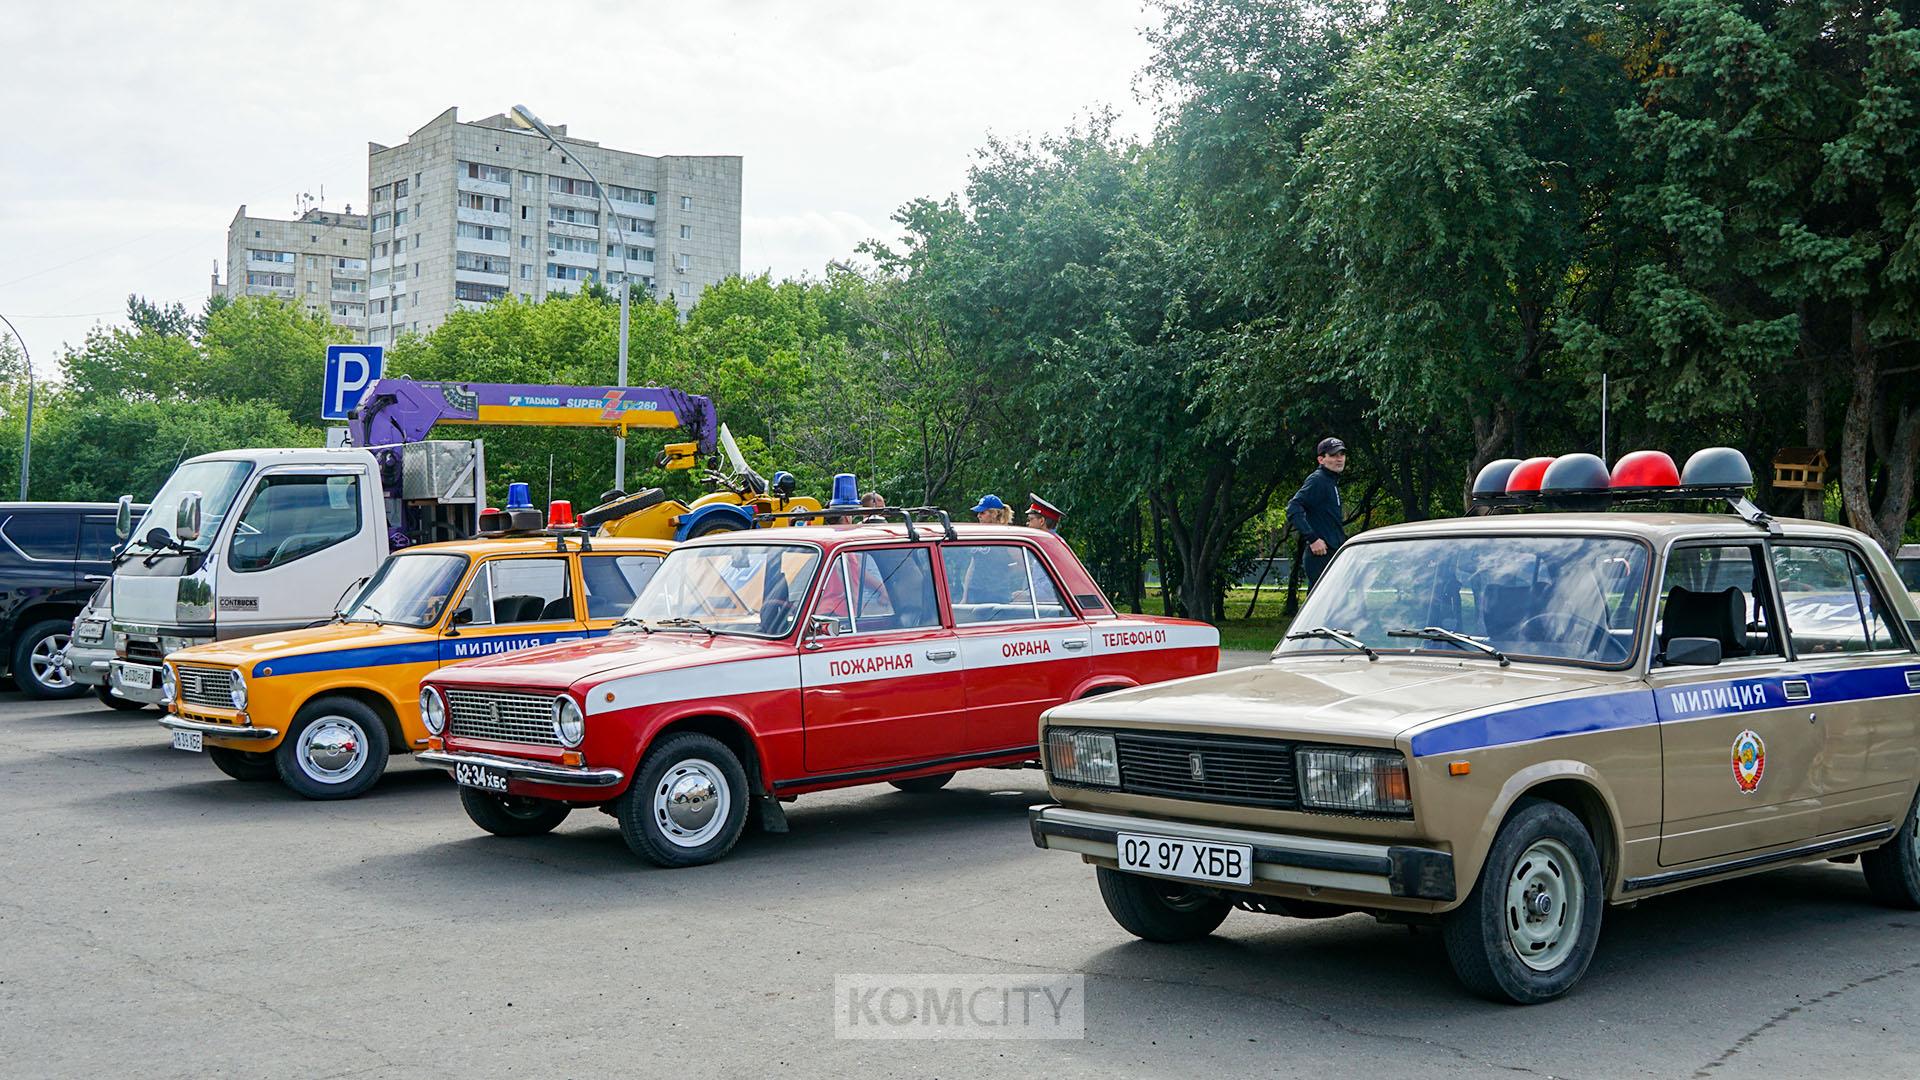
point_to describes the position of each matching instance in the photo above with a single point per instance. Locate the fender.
(742, 516)
(1101, 684)
(1467, 864)
(706, 710)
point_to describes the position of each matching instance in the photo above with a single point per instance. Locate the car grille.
(207, 687)
(501, 716)
(144, 650)
(1245, 772)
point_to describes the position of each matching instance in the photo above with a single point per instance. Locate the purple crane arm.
(403, 411)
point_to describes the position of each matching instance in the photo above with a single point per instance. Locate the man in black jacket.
(1314, 510)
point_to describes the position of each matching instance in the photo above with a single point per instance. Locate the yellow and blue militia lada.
(324, 708)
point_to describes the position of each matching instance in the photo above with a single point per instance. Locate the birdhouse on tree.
(1801, 468)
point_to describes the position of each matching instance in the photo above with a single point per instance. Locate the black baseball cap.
(1329, 446)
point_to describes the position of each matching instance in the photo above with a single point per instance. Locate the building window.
(313, 238)
(270, 280)
(256, 255)
(492, 174)
(686, 202)
(502, 232)
(256, 234)
(399, 189)
(529, 182)
(379, 278)
(526, 243)
(399, 218)
(562, 272)
(382, 222)
(686, 232)
(486, 264)
(630, 195)
(633, 254)
(526, 271)
(486, 294)
(686, 288)
(346, 285)
(492, 204)
(377, 334)
(573, 243)
(399, 302)
(573, 215)
(682, 261)
(313, 286)
(382, 249)
(633, 226)
(313, 262)
(480, 232)
(567, 185)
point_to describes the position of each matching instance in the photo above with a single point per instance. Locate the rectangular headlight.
(1083, 757)
(1354, 781)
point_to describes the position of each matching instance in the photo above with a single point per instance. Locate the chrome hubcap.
(332, 749)
(1545, 898)
(44, 662)
(691, 802)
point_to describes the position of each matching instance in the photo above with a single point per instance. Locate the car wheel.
(1893, 869)
(688, 805)
(1160, 910)
(336, 748)
(34, 656)
(1528, 929)
(921, 785)
(241, 765)
(106, 696)
(512, 815)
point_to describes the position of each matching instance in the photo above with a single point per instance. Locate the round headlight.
(433, 711)
(167, 685)
(237, 690)
(568, 722)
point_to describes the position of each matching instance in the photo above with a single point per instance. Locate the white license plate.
(187, 740)
(133, 675)
(1196, 859)
(475, 776)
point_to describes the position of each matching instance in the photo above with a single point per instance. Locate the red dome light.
(560, 514)
(1527, 475)
(1645, 470)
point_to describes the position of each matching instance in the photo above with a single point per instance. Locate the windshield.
(730, 589)
(1548, 598)
(216, 481)
(409, 590)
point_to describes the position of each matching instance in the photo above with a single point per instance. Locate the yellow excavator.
(738, 496)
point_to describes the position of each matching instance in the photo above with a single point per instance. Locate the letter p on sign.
(351, 369)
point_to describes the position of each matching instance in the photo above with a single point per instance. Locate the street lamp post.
(525, 118)
(26, 434)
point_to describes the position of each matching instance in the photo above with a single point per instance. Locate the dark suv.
(52, 557)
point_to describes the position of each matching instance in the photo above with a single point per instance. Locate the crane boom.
(397, 411)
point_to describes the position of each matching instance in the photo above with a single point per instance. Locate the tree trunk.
(1814, 503)
(1160, 560)
(1489, 437)
(1899, 439)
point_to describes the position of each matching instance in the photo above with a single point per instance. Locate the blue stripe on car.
(416, 652)
(1568, 716)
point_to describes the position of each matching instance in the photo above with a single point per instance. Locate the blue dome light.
(845, 491)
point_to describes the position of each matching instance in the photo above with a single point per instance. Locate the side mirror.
(187, 527)
(157, 537)
(461, 617)
(1691, 652)
(818, 627)
(123, 518)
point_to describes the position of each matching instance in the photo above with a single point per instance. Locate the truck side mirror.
(123, 517)
(1692, 652)
(187, 525)
(818, 627)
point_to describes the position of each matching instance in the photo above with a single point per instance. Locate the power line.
(83, 258)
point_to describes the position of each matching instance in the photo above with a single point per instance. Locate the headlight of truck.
(167, 686)
(1356, 781)
(237, 690)
(568, 722)
(433, 711)
(1083, 757)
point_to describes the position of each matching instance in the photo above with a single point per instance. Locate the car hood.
(333, 637)
(1331, 698)
(611, 657)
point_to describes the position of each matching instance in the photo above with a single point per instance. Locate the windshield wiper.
(694, 624)
(378, 619)
(1441, 633)
(629, 620)
(1344, 637)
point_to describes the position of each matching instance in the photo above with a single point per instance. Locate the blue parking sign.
(351, 369)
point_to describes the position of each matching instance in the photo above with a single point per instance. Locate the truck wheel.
(241, 765)
(717, 524)
(1893, 869)
(921, 785)
(336, 748)
(1160, 910)
(512, 815)
(1528, 929)
(34, 670)
(688, 805)
(105, 694)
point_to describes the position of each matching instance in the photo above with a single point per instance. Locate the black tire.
(1539, 842)
(50, 684)
(243, 766)
(705, 772)
(357, 739)
(1160, 910)
(718, 524)
(1893, 869)
(922, 785)
(512, 815)
(105, 694)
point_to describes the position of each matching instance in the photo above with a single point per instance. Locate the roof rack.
(903, 514)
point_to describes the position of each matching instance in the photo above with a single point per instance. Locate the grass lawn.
(1262, 631)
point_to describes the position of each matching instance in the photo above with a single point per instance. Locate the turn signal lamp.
(560, 514)
(1526, 476)
(1645, 470)
(845, 491)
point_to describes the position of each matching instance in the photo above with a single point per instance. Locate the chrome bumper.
(538, 772)
(217, 731)
(1387, 870)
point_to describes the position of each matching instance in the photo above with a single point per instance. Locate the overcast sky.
(135, 130)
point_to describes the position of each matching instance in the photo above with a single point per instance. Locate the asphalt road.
(158, 919)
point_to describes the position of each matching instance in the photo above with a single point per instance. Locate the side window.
(614, 581)
(530, 590)
(47, 537)
(1718, 591)
(1046, 596)
(478, 600)
(987, 583)
(1831, 603)
(97, 539)
(292, 516)
(870, 592)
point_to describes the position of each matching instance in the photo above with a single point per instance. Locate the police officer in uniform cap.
(1314, 510)
(1042, 514)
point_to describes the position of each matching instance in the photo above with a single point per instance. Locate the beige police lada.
(1503, 724)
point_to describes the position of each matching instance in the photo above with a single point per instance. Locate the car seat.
(1720, 615)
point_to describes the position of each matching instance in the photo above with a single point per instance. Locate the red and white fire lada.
(759, 666)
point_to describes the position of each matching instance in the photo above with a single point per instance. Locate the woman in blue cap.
(991, 511)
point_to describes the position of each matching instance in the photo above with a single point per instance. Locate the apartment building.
(463, 214)
(318, 260)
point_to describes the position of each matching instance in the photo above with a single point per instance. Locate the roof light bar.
(1583, 481)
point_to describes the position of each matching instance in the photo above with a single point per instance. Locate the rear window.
(47, 537)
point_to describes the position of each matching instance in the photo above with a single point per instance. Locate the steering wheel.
(773, 613)
(1598, 634)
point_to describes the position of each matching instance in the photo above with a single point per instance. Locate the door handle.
(1075, 643)
(941, 654)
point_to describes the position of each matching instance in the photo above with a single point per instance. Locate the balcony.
(481, 247)
(643, 211)
(587, 259)
(578, 232)
(355, 321)
(483, 187)
(480, 217)
(349, 273)
(284, 292)
(479, 277)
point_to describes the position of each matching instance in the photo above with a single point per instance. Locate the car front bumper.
(121, 688)
(218, 731)
(1386, 870)
(87, 664)
(533, 772)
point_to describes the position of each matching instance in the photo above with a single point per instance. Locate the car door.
(1025, 649)
(513, 602)
(303, 532)
(1863, 682)
(882, 682)
(1739, 759)
(611, 582)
